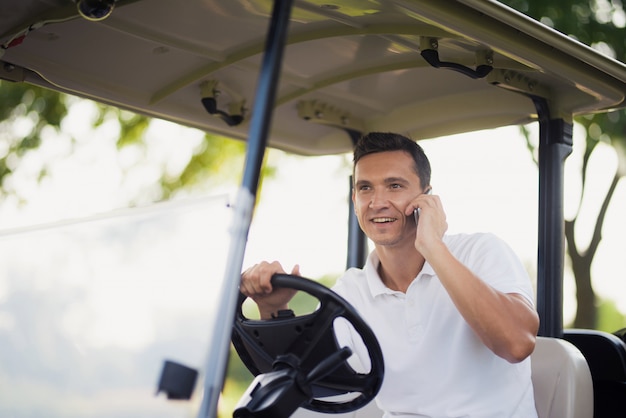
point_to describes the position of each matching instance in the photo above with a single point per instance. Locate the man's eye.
(396, 186)
(364, 188)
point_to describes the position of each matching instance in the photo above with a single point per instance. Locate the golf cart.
(309, 77)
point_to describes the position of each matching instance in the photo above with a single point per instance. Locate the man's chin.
(390, 240)
(385, 241)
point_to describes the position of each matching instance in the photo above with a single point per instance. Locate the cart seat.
(561, 379)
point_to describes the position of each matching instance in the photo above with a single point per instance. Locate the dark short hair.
(374, 142)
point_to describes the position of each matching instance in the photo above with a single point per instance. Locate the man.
(453, 314)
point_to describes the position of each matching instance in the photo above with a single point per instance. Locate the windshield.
(90, 309)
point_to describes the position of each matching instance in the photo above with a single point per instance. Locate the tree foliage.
(599, 24)
(27, 111)
(36, 109)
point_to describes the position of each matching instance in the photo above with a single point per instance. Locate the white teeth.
(382, 220)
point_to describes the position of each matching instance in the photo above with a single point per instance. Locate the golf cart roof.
(349, 66)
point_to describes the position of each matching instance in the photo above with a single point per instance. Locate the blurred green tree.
(27, 111)
(599, 24)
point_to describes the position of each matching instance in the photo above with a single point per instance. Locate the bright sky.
(487, 182)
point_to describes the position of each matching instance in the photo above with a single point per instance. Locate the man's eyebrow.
(390, 180)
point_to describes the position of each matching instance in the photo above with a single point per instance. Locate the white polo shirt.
(435, 366)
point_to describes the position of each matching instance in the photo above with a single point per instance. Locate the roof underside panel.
(353, 67)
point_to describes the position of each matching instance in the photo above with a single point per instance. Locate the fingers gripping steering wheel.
(302, 358)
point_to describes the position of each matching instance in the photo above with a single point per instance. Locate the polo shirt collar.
(375, 283)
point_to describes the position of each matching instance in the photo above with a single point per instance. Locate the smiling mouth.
(383, 220)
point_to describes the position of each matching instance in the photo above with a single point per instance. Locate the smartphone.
(416, 211)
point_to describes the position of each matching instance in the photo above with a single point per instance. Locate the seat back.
(606, 356)
(561, 380)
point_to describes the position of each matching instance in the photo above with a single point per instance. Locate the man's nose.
(379, 200)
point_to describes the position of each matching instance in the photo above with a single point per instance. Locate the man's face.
(385, 184)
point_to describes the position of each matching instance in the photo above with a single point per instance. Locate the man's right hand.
(256, 284)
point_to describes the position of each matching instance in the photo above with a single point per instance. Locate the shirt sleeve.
(495, 262)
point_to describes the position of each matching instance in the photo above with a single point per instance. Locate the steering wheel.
(310, 340)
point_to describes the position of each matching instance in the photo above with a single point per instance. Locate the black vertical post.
(217, 359)
(555, 145)
(265, 94)
(357, 241)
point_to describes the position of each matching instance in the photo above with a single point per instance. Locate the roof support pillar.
(357, 241)
(555, 145)
(267, 85)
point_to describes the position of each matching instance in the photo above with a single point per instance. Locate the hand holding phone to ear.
(430, 221)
